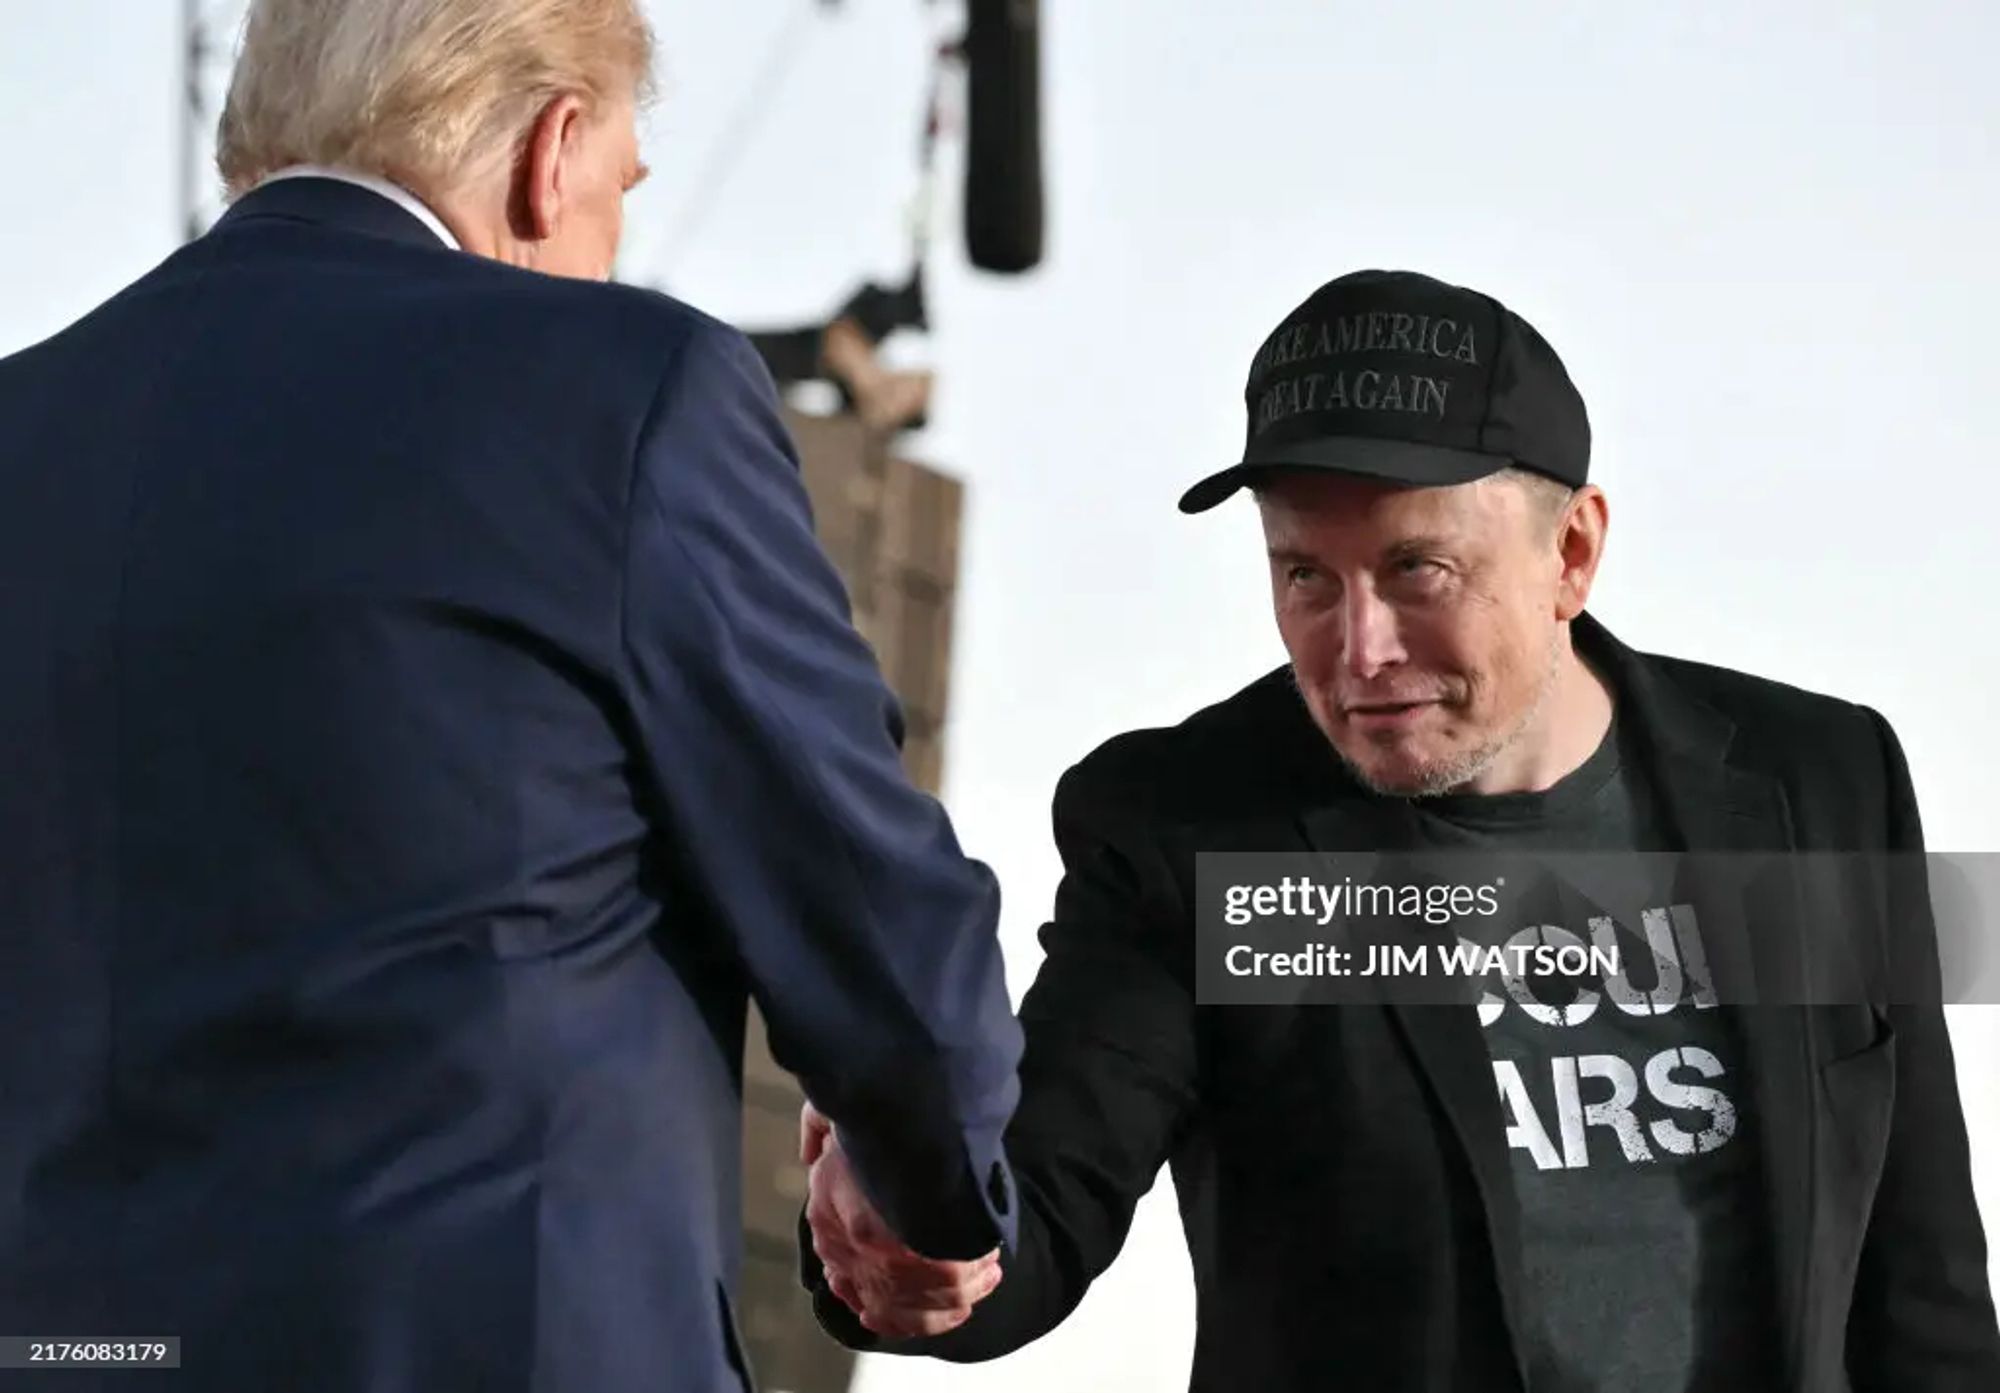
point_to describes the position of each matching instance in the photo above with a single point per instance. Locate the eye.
(1300, 575)
(1421, 568)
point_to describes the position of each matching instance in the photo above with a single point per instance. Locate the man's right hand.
(896, 1293)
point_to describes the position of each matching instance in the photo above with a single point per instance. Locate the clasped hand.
(896, 1293)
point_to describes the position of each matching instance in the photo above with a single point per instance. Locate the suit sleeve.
(1923, 1319)
(770, 742)
(1108, 1084)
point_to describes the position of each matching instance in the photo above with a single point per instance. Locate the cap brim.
(1400, 461)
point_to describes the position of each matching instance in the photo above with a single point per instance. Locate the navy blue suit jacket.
(426, 718)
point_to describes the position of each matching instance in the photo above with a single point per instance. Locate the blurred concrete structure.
(891, 527)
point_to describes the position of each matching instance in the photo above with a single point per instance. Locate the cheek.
(1311, 639)
(1508, 663)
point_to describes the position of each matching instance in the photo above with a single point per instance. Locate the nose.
(1370, 639)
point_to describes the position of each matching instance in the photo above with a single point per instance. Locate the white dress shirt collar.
(395, 193)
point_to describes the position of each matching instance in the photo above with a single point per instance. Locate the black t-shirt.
(1634, 1149)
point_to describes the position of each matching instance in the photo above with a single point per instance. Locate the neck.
(476, 212)
(477, 234)
(1564, 730)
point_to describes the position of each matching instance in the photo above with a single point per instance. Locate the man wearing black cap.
(1657, 1190)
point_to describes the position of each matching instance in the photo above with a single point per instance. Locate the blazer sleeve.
(770, 746)
(1922, 1319)
(1108, 1083)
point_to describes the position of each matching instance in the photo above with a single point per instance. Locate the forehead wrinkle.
(1309, 534)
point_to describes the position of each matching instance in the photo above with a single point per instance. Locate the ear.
(1580, 543)
(542, 176)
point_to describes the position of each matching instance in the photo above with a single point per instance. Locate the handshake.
(896, 1293)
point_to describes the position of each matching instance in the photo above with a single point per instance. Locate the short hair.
(1547, 497)
(420, 90)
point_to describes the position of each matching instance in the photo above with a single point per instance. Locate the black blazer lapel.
(1446, 1044)
(1757, 952)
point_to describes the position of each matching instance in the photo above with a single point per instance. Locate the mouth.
(1387, 715)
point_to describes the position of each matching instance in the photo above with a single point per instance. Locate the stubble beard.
(1454, 771)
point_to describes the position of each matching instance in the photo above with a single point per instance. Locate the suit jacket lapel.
(1446, 1044)
(1756, 944)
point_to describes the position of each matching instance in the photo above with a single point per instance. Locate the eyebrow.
(1417, 546)
(1409, 546)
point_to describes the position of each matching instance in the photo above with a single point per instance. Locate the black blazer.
(1385, 1255)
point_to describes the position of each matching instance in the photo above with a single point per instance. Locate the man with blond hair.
(425, 721)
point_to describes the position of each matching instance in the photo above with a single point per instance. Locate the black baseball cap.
(1399, 376)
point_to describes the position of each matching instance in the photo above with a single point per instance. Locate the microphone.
(1003, 161)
